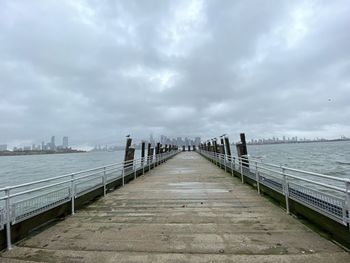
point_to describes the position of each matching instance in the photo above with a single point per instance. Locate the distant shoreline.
(19, 153)
(295, 142)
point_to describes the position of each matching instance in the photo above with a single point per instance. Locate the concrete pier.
(185, 210)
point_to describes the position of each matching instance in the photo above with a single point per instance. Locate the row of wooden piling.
(223, 147)
(151, 151)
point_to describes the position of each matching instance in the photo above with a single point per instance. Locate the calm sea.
(332, 158)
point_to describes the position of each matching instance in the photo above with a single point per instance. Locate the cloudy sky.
(97, 70)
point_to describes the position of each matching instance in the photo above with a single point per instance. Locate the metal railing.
(23, 201)
(328, 195)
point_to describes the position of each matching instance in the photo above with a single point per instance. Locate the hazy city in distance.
(51, 146)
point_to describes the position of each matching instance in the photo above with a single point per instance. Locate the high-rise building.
(3, 147)
(52, 144)
(197, 141)
(65, 142)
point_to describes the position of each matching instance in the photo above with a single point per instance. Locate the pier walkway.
(185, 210)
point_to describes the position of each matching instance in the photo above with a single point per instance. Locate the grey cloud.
(96, 70)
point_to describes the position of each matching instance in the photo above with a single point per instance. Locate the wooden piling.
(227, 145)
(129, 156)
(242, 150)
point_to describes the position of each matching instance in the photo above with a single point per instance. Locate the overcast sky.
(98, 70)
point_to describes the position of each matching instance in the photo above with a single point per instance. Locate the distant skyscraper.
(197, 141)
(52, 144)
(65, 142)
(3, 147)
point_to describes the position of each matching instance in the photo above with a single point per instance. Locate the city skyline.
(43, 146)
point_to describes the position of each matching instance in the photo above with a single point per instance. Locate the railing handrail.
(244, 158)
(69, 181)
(12, 187)
(329, 198)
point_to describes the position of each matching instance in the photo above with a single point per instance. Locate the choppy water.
(332, 158)
(26, 168)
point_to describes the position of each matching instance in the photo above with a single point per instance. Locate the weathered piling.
(242, 151)
(215, 144)
(189, 148)
(222, 146)
(227, 145)
(183, 148)
(150, 151)
(143, 146)
(129, 153)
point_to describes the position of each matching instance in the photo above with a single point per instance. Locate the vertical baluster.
(241, 168)
(225, 163)
(347, 206)
(73, 194)
(104, 181)
(286, 189)
(143, 165)
(134, 168)
(8, 219)
(123, 173)
(257, 177)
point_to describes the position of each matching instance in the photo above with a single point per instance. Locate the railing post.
(257, 177)
(225, 163)
(234, 163)
(8, 219)
(347, 187)
(143, 165)
(286, 189)
(134, 168)
(123, 173)
(104, 181)
(231, 165)
(73, 194)
(241, 169)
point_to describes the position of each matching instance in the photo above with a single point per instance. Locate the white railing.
(325, 194)
(23, 201)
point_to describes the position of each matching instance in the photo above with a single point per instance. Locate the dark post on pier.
(129, 153)
(143, 146)
(150, 151)
(242, 150)
(222, 146)
(227, 145)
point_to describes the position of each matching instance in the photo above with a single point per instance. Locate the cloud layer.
(97, 70)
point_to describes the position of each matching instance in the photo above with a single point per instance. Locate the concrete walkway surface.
(186, 210)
